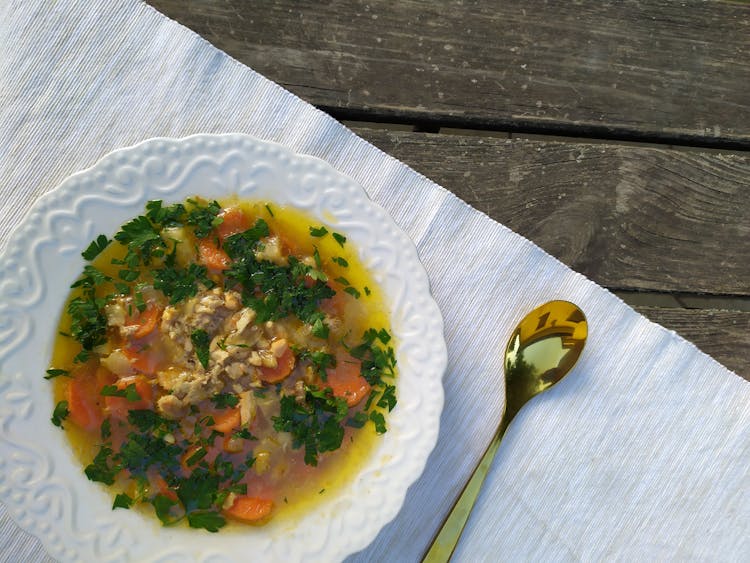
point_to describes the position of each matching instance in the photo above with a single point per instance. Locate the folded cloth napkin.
(640, 454)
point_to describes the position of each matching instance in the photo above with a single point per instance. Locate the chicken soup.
(222, 361)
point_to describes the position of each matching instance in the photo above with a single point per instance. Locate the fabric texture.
(641, 453)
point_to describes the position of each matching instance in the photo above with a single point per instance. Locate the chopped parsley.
(225, 400)
(60, 413)
(203, 218)
(95, 248)
(142, 238)
(122, 501)
(52, 373)
(201, 342)
(196, 456)
(101, 469)
(105, 431)
(379, 420)
(314, 422)
(130, 393)
(354, 292)
(320, 329)
(180, 283)
(209, 520)
(320, 361)
(163, 506)
(169, 216)
(388, 398)
(147, 420)
(339, 238)
(245, 435)
(318, 231)
(88, 323)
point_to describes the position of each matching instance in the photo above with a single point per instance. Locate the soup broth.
(223, 361)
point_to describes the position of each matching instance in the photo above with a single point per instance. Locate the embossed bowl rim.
(41, 482)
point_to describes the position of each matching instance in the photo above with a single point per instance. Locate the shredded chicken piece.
(238, 347)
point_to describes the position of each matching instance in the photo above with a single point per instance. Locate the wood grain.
(629, 218)
(724, 335)
(676, 71)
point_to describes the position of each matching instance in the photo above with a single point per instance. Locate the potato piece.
(179, 236)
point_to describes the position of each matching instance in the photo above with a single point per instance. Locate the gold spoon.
(543, 348)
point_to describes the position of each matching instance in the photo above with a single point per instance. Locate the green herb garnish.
(339, 238)
(100, 469)
(201, 342)
(352, 291)
(122, 501)
(52, 373)
(204, 218)
(379, 420)
(225, 400)
(180, 283)
(60, 413)
(95, 248)
(142, 239)
(130, 393)
(209, 520)
(318, 231)
(314, 423)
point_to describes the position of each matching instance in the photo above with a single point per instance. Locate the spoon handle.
(445, 543)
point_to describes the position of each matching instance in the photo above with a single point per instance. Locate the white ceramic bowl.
(41, 482)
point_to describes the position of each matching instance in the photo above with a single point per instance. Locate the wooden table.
(613, 135)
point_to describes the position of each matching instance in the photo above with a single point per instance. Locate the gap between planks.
(429, 127)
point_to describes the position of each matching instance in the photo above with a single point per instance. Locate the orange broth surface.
(227, 397)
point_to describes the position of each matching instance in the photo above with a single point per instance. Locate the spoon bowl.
(541, 350)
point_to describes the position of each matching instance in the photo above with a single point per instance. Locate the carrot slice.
(143, 360)
(227, 420)
(161, 487)
(284, 366)
(234, 221)
(118, 407)
(249, 509)
(346, 381)
(146, 321)
(84, 401)
(212, 256)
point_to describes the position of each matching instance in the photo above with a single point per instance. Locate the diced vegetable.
(284, 366)
(233, 221)
(346, 381)
(226, 421)
(249, 509)
(212, 256)
(146, 322)
(84, 401)
(179, 241)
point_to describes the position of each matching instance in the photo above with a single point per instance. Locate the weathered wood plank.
(635, 69)
(724, 335)
(629, 218)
